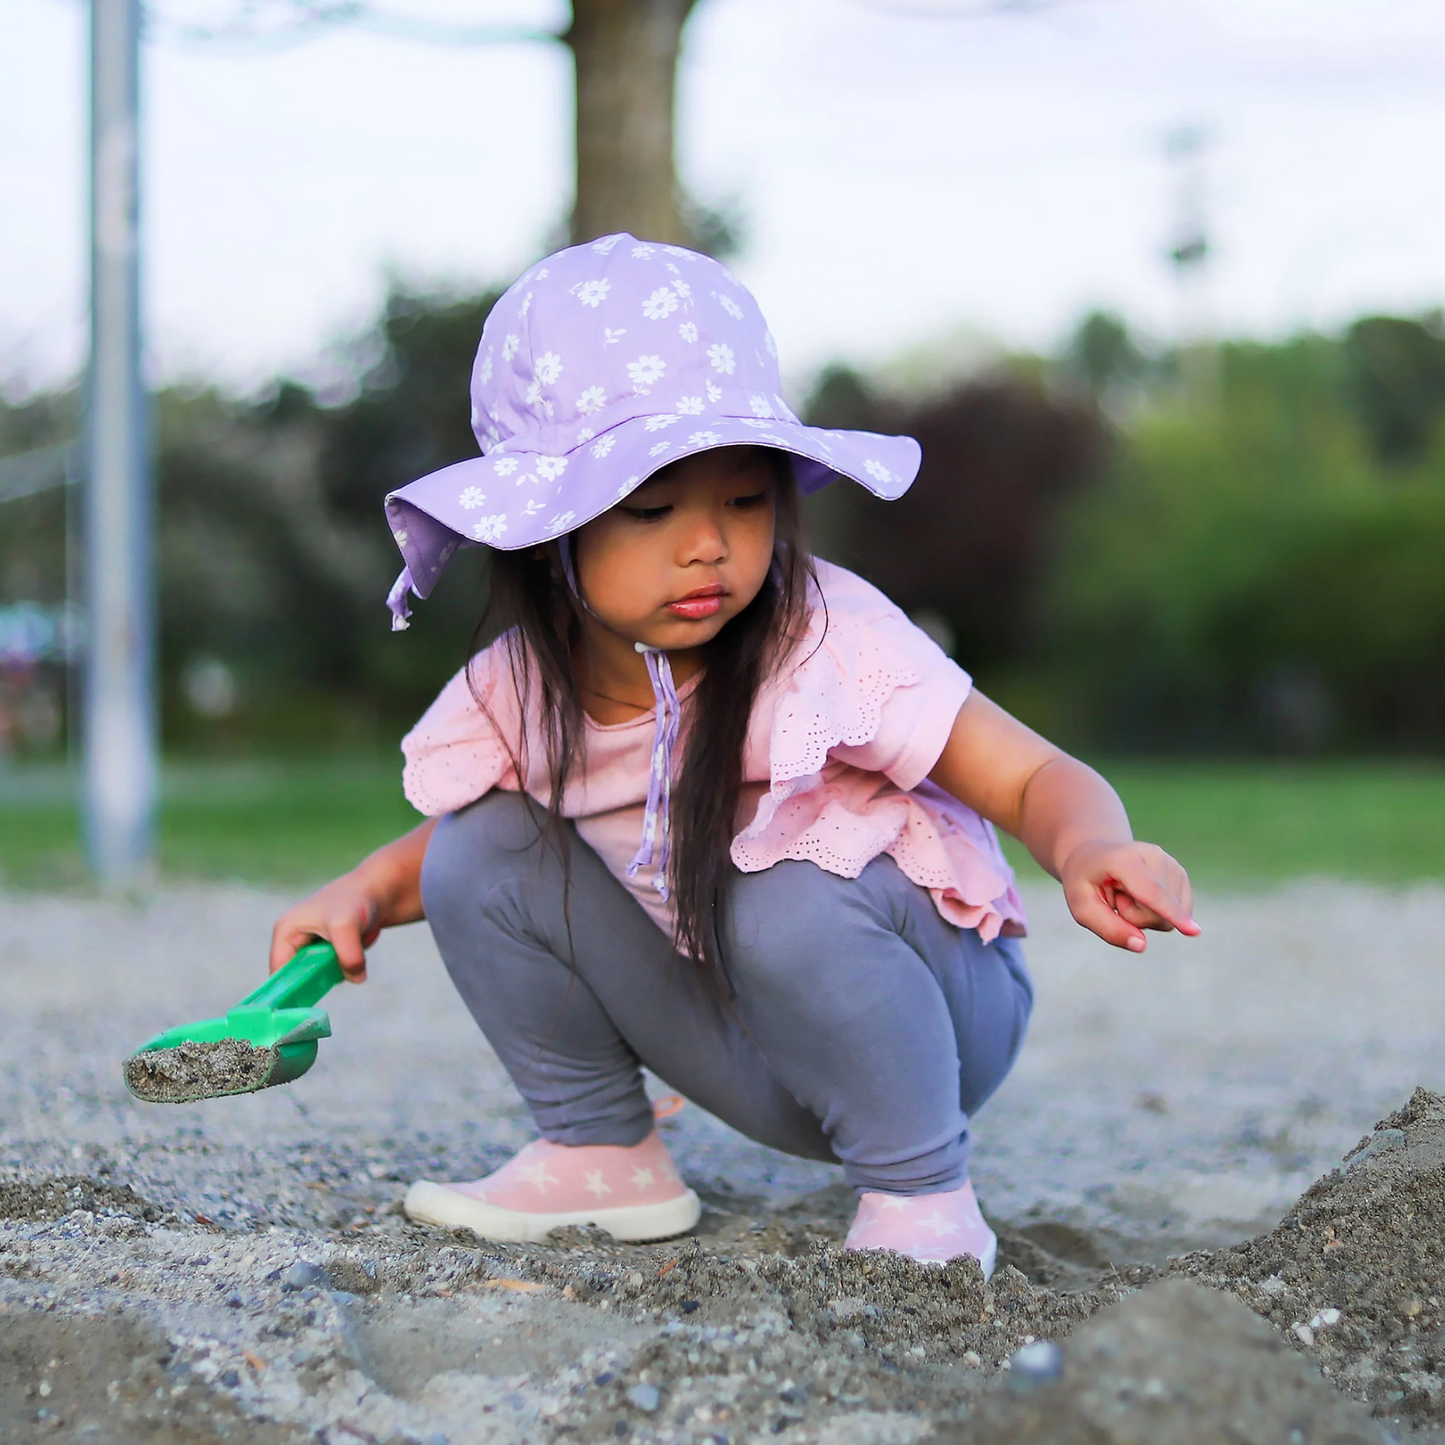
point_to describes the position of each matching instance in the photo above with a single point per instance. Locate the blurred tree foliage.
(32, 529)
(275, 555)
(1127, 571)
(1397, 378)
(1265, 574)
(969, 541)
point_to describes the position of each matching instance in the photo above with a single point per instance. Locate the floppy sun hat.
(598, 367)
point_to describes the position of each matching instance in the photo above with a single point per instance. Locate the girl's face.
(676, 561)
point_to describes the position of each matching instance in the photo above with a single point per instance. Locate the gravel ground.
(237, 1270)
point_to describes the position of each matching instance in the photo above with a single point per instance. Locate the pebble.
(1035, 1365)
(645, 1397)
(303, 1275)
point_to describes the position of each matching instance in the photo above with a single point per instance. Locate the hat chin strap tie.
(667, 712)
(667, 719)
(397, 601)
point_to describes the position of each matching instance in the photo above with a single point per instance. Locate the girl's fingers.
(1149, 892)
(1092, 911)
(1143, 889)
(344, 935)
(345, 938)
(286, 941)
(1132, 911)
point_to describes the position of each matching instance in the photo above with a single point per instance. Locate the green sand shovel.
(268, 1038)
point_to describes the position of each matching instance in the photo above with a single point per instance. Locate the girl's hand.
(1118, 889)
(346, 913)
(380, 892)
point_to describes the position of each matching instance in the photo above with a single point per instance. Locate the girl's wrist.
(1074, 853)
(390, 879)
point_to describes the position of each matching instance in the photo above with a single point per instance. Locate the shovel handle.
(311, 974)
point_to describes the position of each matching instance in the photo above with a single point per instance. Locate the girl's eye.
(751, 500)
(647, 514)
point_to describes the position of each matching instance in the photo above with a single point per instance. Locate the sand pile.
(1355, 1272)
(1174, 1363)
(198, 1071)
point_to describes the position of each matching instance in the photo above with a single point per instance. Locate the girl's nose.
(705, 541)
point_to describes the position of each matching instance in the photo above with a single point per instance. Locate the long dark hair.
(537, 618)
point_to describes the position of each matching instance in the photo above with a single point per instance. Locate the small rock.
(645, 1397)
(303, 1275)
(791, 1394)
(234, 1302)
(230, 1379)
(1383, 1141)
(1034, 1366)
(688, 1306)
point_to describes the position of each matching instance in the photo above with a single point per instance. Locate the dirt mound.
(1355, 1273)
(51, 1198)
(111, 1381)
(1176, 1363)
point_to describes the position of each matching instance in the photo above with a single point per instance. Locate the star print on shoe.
(547, 1186)
(931, 1228)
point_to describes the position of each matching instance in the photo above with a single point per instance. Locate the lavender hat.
(599, 366)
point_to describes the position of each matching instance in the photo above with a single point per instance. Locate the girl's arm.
(1070, 819)
(380, 892)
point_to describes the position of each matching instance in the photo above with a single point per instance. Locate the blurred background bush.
(1133, 563)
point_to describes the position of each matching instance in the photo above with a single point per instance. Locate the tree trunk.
(626, 57)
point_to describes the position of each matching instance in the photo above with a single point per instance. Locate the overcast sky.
(906, 172)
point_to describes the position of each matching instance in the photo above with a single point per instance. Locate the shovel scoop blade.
(269, 1038)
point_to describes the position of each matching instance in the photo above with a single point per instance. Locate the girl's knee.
(477, 842)
(785, 919)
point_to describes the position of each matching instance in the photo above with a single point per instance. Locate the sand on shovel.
(199, 1071)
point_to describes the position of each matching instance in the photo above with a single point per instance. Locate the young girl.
(708, 805)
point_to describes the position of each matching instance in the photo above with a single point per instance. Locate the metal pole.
(120, 715)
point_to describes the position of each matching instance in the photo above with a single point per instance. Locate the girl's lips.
(695, 609)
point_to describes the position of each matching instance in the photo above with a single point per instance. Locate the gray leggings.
(862, 1028)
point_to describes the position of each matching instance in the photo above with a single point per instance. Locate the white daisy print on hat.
(660, 305)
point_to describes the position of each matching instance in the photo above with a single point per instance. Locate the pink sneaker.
(931, 1228)
(634, 1193)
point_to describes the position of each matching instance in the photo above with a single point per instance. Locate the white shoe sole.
(989, 1258)
(429, 1203)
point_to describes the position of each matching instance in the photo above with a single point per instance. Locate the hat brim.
(514, 497)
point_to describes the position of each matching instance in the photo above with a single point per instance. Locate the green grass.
(291, 823)
(1252, 824)
(1233, 825)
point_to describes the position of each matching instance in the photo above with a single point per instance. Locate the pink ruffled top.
(835, 766)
